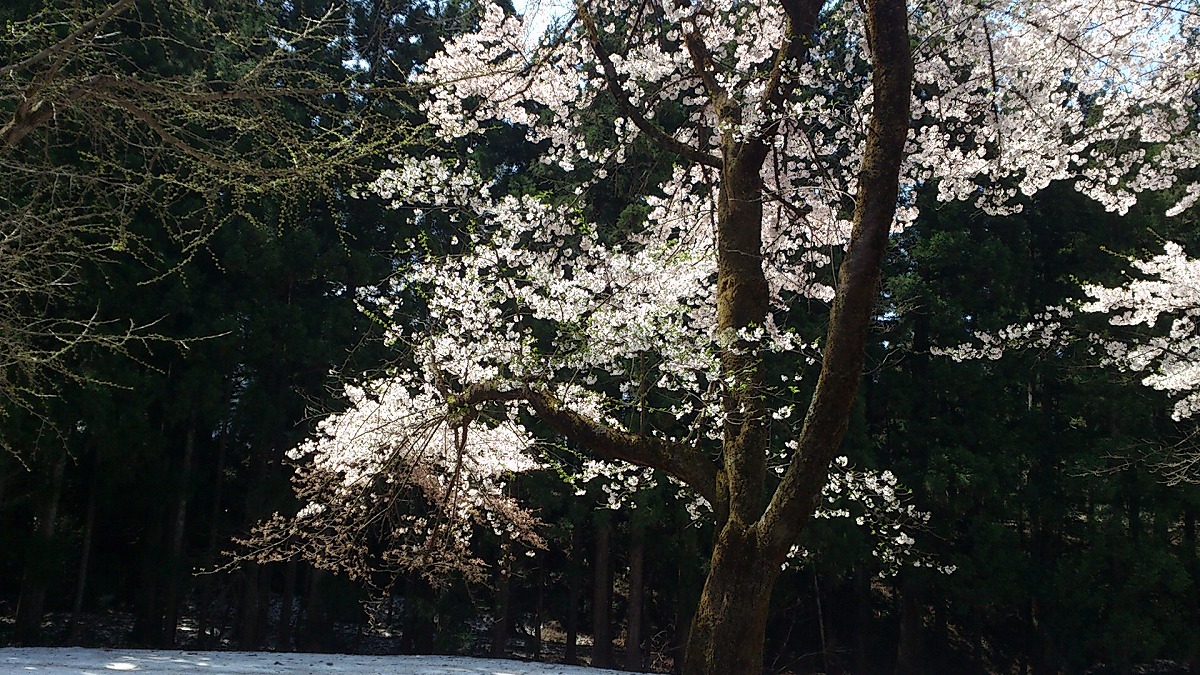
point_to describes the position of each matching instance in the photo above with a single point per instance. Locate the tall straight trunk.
(634, 656)
(539, 612)
(1191, 559)
(283, 632)
(176, 568)
(147, 625)
(602, 594)
(574, 596)
(85, 554)
(685, 598)
(909, 652)
(31, 605)
(822, 616)
(419, 630)
(862, 619)
(213, 586)
(266, 574)
(315, 633)
(248, 630)
(501, 627)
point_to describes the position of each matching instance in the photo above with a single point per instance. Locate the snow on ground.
(77, 661)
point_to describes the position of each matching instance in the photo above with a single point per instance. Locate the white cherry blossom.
(553, 317)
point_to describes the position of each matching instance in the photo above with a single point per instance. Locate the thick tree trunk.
(730, 623)
(602, 594)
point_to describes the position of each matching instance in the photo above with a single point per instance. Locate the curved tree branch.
(682, 461)
(613, 82)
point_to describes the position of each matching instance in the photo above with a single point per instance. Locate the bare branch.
(88, 27)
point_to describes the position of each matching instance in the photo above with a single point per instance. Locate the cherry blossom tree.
(800, 132)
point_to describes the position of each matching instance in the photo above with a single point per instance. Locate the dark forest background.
(123, 485)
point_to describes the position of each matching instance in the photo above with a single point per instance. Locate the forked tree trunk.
(757, 529)
(729, 628)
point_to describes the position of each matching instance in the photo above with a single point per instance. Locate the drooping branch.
(841, 368)
(98, 138)
(682, 461)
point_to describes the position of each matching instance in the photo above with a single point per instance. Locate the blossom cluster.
(1168, 287)
(1152, 321)
(875, 502)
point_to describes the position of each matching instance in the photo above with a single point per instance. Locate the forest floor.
(81, 661)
